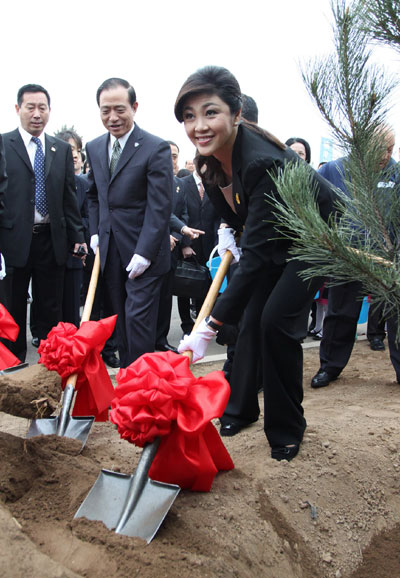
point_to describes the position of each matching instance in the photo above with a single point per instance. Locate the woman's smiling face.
(210, 125)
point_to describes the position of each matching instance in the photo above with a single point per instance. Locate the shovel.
(64, 424)
(135, 505)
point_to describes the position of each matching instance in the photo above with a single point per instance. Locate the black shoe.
(111, 360)
(35, 341)
(377, 344)
(322, 378)
(165, 347)
(285, 452)
(230, 429)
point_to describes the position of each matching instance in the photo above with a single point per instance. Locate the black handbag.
(191, 279)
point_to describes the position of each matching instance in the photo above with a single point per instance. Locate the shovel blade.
(76, 427)
(107, 498)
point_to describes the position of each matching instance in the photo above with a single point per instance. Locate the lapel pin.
(53, 149)
(237, 199)
(178, 189)
(136, 144)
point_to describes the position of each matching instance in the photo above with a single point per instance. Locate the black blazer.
(18, 218)
(3, 175)
(202, 215)
(81, 188)
(135, 203)
(252, 157)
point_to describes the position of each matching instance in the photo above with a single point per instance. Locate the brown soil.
(334, 511)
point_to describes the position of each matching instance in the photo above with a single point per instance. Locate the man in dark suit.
(202, 216)
(3, 188)
(130, 198)
(41, 221)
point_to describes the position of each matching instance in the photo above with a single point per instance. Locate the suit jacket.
(18, 218)
(179, 215)
(81, 187)
(252, 157)
(135, 203)
(3, 175)
(202, 215)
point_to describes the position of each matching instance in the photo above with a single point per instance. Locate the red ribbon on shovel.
(69, 350)
(8, 330)
(158, 396)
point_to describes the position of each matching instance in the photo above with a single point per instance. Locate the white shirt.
(31, 150)
(122, 141)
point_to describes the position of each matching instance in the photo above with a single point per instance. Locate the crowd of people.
(126, 197)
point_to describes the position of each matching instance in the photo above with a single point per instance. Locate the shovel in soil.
(65, 425)
(135, 505)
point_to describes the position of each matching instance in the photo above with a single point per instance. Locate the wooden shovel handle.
(212, 294)
(87, 309)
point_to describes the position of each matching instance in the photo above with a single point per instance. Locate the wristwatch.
(211, 324)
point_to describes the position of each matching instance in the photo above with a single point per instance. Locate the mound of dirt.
(333, 512)
(33, 392)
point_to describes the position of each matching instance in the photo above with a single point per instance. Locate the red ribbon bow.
(69, 350)
(157, 395)
(8, 330)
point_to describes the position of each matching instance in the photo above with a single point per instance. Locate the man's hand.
(94, 243)
(137, 266)
(226, 242)
(191, 233)
(187, 252)
(197, 341)
(172, 242)
(80, 251)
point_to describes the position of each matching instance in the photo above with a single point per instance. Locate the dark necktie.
(116, 153)
(40, 186)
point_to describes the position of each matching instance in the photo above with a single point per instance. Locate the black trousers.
(376, 323)
(340, 327)
(135, 301)
(274, 325)
(47, 289)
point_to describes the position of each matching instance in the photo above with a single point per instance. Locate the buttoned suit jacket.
(135, 202)
(17, 220)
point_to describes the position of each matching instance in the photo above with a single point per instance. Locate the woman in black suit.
(234, 158)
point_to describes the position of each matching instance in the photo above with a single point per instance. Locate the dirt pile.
(334, 507)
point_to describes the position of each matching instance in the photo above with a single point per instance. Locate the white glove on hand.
(94, 243)
(2, 268)
(137, 266)
(226, 241)
(197, 341)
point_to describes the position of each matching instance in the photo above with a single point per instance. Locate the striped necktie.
(116, 153)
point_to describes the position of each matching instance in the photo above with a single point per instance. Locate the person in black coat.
(203, 216)
(234, 158)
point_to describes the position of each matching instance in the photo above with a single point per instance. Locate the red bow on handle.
(8, 330)
(69, 350)
(158, 395)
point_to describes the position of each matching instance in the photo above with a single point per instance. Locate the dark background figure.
(202, 216)
(3, 188)
(41, 222)
(130, 199)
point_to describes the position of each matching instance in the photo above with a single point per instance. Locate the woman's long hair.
(216, 80)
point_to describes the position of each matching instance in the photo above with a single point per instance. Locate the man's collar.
(122, 139)
(27, 137)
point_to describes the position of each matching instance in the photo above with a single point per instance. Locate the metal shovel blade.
(133, 505)
(63, 425)
(76, 427)
(13, 369)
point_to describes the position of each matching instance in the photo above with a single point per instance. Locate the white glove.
(226, 241)
(137, 266)
(94, 243)
(2, 268)
(197, 341)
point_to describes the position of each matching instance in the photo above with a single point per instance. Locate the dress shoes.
(377, 344)
(165, 347)
(229, 429)
(322, 378)
(35, 341)
(111, 360)
(285, 452)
